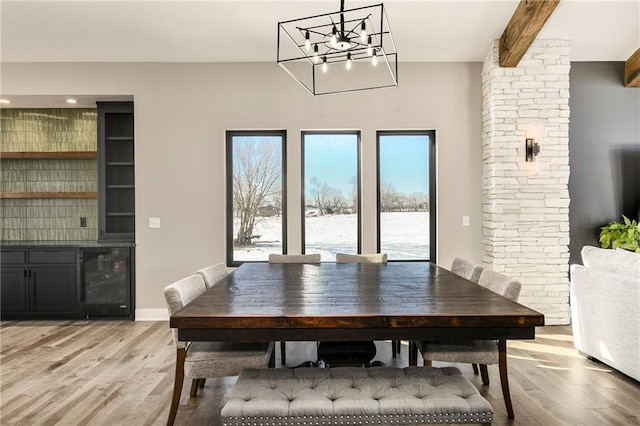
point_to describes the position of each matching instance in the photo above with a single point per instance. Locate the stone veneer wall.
(525, 206)
(48, 129)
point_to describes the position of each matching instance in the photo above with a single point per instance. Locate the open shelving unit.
(116, 168)
(48, 155)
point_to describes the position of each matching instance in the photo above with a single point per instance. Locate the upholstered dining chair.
(483, 352)
(291, 258)
(200, 360)
(294, 258)
(369, 258)
(466, 269)
(470, 271)
(213, 273)
(361, 258)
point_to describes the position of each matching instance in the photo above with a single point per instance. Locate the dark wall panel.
(604, 150)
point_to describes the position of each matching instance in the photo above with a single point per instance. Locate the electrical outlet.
(465, 220)
(154, 222)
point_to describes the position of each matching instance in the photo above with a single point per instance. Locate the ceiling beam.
(632, 70)
(525, 24)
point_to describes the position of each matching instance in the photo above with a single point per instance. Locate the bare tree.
(326, 199)
(256, 175)
(389, 197)
(319, 195)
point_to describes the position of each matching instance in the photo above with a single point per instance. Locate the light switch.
(154, 222)
(465, 220)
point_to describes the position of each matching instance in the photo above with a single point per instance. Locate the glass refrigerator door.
(106, 280)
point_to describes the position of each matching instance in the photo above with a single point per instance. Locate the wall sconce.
(531, 149)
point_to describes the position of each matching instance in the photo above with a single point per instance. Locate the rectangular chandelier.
(339, 52)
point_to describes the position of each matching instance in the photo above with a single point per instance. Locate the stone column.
(525, 205)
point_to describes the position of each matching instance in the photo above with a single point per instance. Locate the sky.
(404, 161)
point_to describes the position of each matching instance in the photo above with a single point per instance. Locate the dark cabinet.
(40, 283)
(53, 289)
(13, 294)
(116, 166)
(65, 282)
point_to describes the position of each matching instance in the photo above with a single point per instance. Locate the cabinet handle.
(25, 273)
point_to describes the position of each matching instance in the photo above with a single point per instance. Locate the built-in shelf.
(49, 195)
(55, 155)
(120, 214)
(120, 163)
(120, 186)
(120, 138)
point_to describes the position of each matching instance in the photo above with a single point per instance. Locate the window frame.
(229, 135)
(432, 188)
(358, 135)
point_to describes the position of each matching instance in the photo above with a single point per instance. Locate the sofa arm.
(605, 317)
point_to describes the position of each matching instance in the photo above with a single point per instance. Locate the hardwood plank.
(632, 70)
(523, 28)
(121, 372)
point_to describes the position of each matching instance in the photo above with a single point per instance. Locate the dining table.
(329, 301)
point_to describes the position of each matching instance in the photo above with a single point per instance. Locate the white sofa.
(605, 308)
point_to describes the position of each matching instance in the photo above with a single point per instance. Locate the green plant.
(624, 235)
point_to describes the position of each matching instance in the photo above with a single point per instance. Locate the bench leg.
(475, 368)
(181, 355)
(283, 353)
(504, 378)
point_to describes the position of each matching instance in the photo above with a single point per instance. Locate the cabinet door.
(53, 288)
(13, 295)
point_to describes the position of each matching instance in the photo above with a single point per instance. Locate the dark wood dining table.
(351, 301)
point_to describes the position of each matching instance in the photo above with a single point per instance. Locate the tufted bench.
(354, 396)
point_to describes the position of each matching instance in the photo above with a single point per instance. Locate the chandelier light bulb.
(369, 47)
(334, 36)
(363, 32)
(348, 65)
(316, 58)
(374, 60)
(324, 65)
(307, 41)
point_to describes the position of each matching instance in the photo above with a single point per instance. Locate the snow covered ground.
(405, 235)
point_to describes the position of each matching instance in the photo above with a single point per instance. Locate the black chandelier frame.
(313, 44)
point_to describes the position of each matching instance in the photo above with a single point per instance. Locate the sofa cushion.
(619, 261)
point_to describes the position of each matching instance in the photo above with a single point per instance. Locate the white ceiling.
(243, 31)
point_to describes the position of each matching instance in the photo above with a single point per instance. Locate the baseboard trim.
(152, 315)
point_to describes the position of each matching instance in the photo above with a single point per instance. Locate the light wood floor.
(121, 373)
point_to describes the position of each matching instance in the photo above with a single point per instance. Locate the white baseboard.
(152, 315)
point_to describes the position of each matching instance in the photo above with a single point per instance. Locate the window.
(406, 194)
(256, 208)
(331, 200)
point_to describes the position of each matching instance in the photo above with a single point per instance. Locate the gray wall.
(183, 110)
(604, 150)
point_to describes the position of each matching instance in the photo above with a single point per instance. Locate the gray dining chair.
(213, 273)
(294, 258)
(472, 272)
(482, 352)
(369, 258)
(291, 258)
(361, 258)
(466, 269)
(200, 360)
